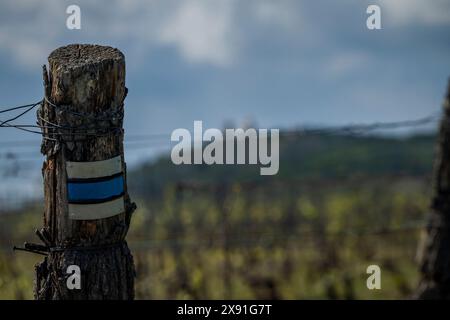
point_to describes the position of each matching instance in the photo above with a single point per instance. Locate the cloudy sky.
(277, 63)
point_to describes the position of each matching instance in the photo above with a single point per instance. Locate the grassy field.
(314, 242)
(309, 233)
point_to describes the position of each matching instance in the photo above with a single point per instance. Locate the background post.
(82, 118)
(435, 251)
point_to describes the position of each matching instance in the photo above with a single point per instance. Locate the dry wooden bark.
(87, 79)
(435, 257)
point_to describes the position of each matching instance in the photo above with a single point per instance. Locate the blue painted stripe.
(95, 191)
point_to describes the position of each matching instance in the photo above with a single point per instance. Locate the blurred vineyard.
(338, 205)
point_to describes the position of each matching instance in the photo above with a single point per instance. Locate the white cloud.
(202, 31)
(408, 12)
(279, 13)
(213, 32)
(29, 30)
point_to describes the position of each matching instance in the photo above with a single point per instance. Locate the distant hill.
(304, 157)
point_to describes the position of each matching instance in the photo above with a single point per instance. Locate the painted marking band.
(95, 192)
(94, 169)
(95, 189)
(96, 211)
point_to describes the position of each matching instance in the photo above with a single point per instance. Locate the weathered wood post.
(435, 255)
(87, 207)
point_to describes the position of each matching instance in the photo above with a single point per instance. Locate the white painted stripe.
(94, 169)
(97, 210)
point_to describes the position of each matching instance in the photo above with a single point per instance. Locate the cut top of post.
(78, 55)
(89, 78)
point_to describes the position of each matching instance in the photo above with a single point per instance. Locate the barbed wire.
(215, 240)
(52, 131)
(354, 129)
(19, 107)
(365, 128)
(117, 115)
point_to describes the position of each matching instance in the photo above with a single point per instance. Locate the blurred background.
(341, 201)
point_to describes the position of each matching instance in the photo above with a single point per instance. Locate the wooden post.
(82, 115)
(435, 255)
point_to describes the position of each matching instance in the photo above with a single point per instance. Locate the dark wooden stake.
(435, 252)
(90, 80)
